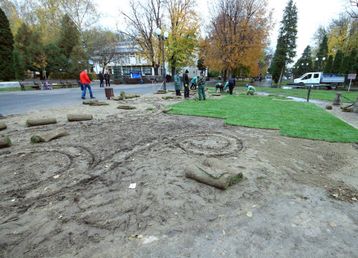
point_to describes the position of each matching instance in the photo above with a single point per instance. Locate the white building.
(129, 62)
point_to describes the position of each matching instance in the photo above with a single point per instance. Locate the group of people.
(230, 85)
(104, 77)
(197, 81)
(85, 82)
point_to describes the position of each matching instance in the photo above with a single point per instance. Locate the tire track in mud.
(104, 185)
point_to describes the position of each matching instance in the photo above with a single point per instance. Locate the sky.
(311, 15)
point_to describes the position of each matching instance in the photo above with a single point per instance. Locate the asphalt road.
(26, 101)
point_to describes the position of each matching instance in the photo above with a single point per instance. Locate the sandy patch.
(71, 196)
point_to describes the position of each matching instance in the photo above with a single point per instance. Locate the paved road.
(26, 101)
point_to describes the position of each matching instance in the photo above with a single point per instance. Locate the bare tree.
(82, 12)
(353, 10)
(102, 46)
(143, 18)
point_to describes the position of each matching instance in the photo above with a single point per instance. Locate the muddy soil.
(70, 197)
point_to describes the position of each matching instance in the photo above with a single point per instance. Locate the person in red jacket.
(85, 82)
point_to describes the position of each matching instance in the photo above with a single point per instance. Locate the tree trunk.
(156, 70)
(225, 75)
(281, 75)
(173, 72)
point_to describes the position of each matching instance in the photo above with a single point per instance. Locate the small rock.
(149, 239)
(354, 199)
(132, 185)
(329, 107)
(332, 224)
(249, 214)
(56, 176)
(135, 237)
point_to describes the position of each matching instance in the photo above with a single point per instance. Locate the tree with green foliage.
(19, 65)
(337, 63)
(286, 42)
(328, 68)
(304, 64)
(69, 36)
(322, 54)
(183, 36)
(6, 49)
(349, 62)
(56, 60)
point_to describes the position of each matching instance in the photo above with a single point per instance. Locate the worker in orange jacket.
(85, 83)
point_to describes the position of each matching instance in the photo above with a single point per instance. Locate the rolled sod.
(40, 121)
(126, 107)
(212, 172)
(48, 136)
(5, 142)
(94, 103)
(79, 117)
(2, 126)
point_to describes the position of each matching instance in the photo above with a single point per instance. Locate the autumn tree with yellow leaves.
(183, 37)
(237, 37)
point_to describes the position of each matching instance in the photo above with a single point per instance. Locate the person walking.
(177, 84)
(107, 78)
(231, 85)
(186, 84)
(101, 79)
(201, 87)
(85, 82)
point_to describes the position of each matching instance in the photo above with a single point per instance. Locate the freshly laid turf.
(327, 95)
(295, 119)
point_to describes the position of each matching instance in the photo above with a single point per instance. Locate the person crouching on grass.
(85, 82)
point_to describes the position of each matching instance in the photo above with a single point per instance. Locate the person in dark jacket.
(186, 84)
(107, 78)
(101, 79)
(231, 84)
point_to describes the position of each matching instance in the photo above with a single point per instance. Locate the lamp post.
(162, 36)
(319, 62)
(305, 67)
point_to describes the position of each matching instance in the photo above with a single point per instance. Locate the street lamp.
(319, 61)
(162, 38)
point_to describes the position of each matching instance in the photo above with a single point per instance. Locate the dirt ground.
(70, 197)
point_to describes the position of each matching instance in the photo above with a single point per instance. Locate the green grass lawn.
(10, 89)
(327, 95)
(294, 119)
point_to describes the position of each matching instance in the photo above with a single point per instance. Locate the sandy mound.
(71, 197)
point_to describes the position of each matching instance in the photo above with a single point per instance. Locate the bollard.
(337, 101)
(309, 93)
(109, 93)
